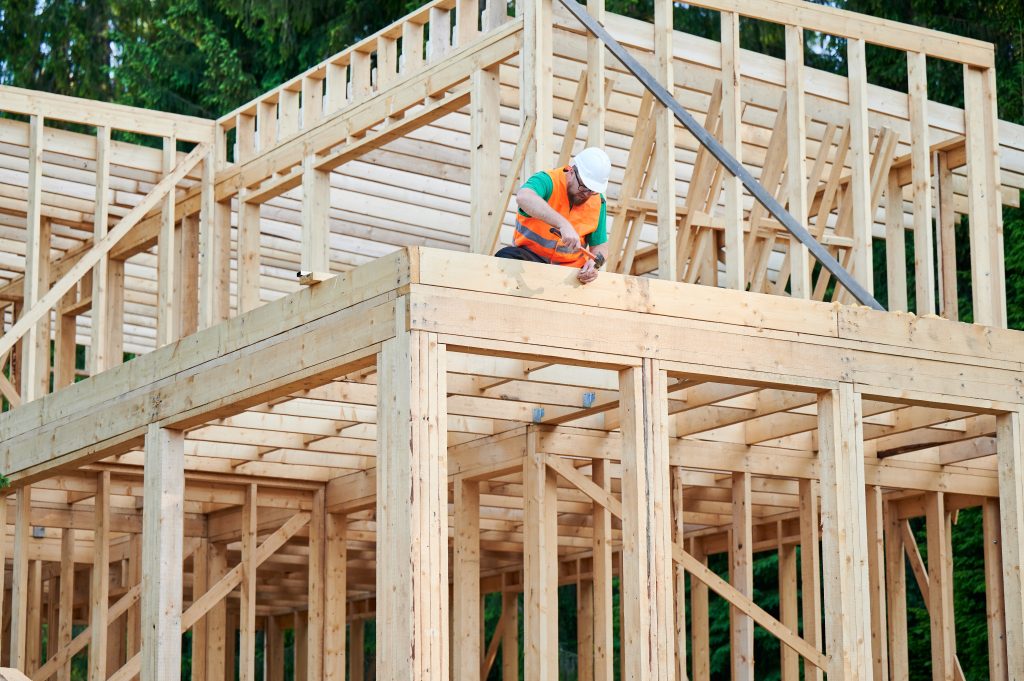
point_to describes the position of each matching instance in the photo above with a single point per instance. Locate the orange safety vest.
(536, 235)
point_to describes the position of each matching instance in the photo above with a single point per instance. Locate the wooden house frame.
(406, 427)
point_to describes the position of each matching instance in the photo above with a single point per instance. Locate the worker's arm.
(533, 205)
(588, 272)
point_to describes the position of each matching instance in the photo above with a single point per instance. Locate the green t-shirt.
(542, 186)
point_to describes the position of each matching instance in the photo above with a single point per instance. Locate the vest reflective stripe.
(536, 234)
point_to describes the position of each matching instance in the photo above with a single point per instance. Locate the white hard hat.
(594, 167)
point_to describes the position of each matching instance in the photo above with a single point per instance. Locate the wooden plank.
(994, 592)
(315, 254)
(796, 170)
(940, 586)
(19, 579)
(786, 636)
(167, 253)
(1010, 447)
(35, 348)
(540, 633)
(844, 540)
(896, 594)
(162, 554)
(924, 247)
(788, 610)
(876, 582)
(699, 624)
(648, 647)
(412, 518)
(537, 82)
(860, 164)
(895, 245)
(735, 258)
(664, 162)
(317, 569)
(946, 218)
(99, 589)
(99, 249)
(466, 642)
(485, 157)
(248, 594)
(741, 574)
(981, 220)
(602, 572)
(335, 588)
(66, 605)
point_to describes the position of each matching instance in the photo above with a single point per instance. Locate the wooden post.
(665, 145)
(35, 347)
(216, 620)
(33, 636)
(412, 508)
(735, 256)
(860, 163)
(646, 503)
(584, 625)
(844, 540)
(19, 578)
(810, 569)
(994, 592)
(924, 242)
(701, 635)
(186, 292)
(596, 59)
(537, 82)
(248, 254)
(200, 630)
(896, 594)
(466, 644)
(214, 238)
(301, 619)
(679, 591)
(1011, 511)
(946, 220)
(540, 565)
(108, 275)
(796, 153)
(876, 582)
(895, 244)
(485, 157)
(247, 605)
(133, 618)
(741, 570)
(316, 227)
(335, 587)
(99, 591)
(604, 662)
(167, 260)
(162, 522)
(67, 597)
(940, 588)
(274, 657)
(317, 569)
(981, 217)
(788, 610)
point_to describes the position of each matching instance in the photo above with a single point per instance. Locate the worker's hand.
(569, 237)
(587, 273)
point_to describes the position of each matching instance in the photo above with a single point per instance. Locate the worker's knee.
(518, 253)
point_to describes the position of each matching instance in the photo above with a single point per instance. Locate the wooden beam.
(35, 349)
(844, 539)
(796, 155)
(537, 82)
(994, 596)
(167, 256)
(788, 610)
(162, 554)
(65, 612)
(602, 577)
(810, 568)
(540, 634)
(99, 590)
(648, 647)
(108, 274)
(1010, 446)
(940, 588)
(924, 243)
(679, 590)
(699, 624)
(216, 618)
(896, 594)
(356, 650)
(597, 108)
(412, 517)
(315, 252)
(317, 575)
(860, 163)
(876, 582)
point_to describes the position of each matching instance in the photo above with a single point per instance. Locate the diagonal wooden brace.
(43, 306)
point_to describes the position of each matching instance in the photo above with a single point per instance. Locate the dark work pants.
(519, 253)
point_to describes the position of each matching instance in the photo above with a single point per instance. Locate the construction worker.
(562, 216)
